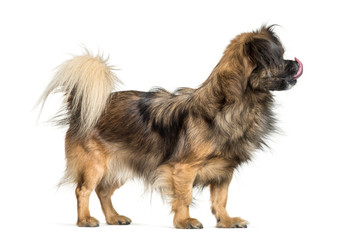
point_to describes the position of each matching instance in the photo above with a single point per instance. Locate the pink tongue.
(300, 71)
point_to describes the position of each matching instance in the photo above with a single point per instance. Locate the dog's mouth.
(300, 69)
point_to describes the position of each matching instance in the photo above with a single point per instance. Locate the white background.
(305, 187)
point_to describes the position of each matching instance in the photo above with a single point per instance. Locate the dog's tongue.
(300, 71)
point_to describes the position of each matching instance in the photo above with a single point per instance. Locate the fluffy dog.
(172, 141)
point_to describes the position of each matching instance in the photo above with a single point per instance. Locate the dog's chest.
(240, 131)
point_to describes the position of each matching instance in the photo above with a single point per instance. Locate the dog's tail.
(86, 82)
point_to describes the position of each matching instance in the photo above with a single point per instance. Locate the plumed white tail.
(86, 82)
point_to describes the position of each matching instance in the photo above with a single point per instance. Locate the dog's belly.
(118, 172)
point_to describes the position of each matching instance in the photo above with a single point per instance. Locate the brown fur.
(175, 141)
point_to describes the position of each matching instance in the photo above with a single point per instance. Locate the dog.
(172, 141)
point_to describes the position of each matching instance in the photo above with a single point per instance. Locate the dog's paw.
(118, 220)
(188, 223)
(88, 222)
(235, 222)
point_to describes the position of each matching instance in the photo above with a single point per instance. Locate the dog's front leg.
(218, 195)
(183, 176)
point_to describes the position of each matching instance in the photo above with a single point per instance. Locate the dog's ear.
(263, 52)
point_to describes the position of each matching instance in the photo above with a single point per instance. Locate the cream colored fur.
(90, 79)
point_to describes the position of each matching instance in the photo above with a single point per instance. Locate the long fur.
(172, 141)
(86, 82)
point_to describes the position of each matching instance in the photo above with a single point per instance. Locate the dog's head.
(269, 70)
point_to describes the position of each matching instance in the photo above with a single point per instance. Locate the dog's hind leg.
(86, 164)
(104, 192)
(83, 191)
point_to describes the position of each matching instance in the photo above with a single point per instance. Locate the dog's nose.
(300, 69)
